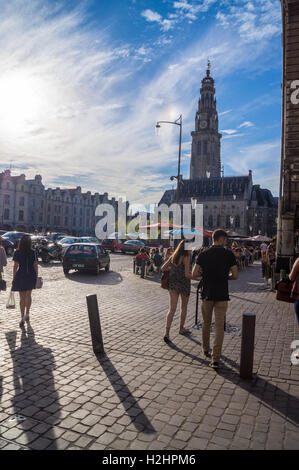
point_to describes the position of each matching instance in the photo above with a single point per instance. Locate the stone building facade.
(288, 223)
(230, 202)
(27, 205)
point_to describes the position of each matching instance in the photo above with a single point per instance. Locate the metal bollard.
(142, 268)
(134, 266)
(95, 324)
(247, 345)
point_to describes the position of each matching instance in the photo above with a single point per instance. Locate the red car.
(112, 244)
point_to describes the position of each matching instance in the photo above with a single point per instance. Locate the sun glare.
(21, 101)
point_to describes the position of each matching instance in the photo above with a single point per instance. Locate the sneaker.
(214, 365)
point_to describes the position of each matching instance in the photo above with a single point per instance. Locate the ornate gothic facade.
(230, 202)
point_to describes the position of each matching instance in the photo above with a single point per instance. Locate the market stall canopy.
(260, 238)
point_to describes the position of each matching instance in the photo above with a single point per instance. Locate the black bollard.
(134, 265)
(95, 324)
(247, 345)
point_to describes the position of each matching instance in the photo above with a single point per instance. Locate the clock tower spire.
(205, 153)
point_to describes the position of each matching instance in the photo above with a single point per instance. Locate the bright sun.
(21, 101)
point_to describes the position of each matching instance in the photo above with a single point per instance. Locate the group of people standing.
(25, 273)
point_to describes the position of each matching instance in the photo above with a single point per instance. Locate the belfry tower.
(205, 153)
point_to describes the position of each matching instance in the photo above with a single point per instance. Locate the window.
(6, 214)
(40, 217)
(7, 185)
(41, 204)
(21, 216)
(33, 202)
(210, 222)
(6, 199)
(67, 209)
(227, 221)
(218, 220)
(66, 220)
(205, 147)
(22, 201)
(237, 221)
(49, 207)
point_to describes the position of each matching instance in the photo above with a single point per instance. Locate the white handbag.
(11, 301)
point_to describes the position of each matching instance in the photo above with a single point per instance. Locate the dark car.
(133, 246)
(57, 236)
(14, 237)
(85, 257)
(112, 244)
(8, 246)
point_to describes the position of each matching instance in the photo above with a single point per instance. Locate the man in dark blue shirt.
(215, 265)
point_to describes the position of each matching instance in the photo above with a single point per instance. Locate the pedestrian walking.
(263, 249)
(215, 265)
(270, 258)
(3, 258)
(25, 271)
(178, 265)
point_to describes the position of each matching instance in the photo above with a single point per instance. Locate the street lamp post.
(177, 122)
(222, 197)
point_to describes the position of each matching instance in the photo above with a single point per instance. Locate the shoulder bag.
(284, 291)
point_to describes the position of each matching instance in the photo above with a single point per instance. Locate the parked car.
(85, 257)
(112, 244)
(66, 242)
(133, 246)
(57, 236)
(8, 246)
(14, 237)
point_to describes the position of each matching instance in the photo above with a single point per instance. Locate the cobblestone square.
(143, 394)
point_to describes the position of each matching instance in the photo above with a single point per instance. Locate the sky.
(83, 83)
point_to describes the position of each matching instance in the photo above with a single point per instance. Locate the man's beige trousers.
(220, 308)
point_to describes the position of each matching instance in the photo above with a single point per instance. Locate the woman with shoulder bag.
(179, 284)
(25, 272)
(294, 276)
(3, 262)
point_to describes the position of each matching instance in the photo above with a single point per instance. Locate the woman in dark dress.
(180, 277)
(25, 272)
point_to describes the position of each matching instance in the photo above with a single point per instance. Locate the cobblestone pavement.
(144, 394)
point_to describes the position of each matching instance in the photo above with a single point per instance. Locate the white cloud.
(255, 20)
(263, 158)
(224, 112)
(246, 124)
(229, 131)
(96, 123)
(153, 16)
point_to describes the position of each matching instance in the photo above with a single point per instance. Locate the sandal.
(185, 332)
(166, 339)
(21, 323)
